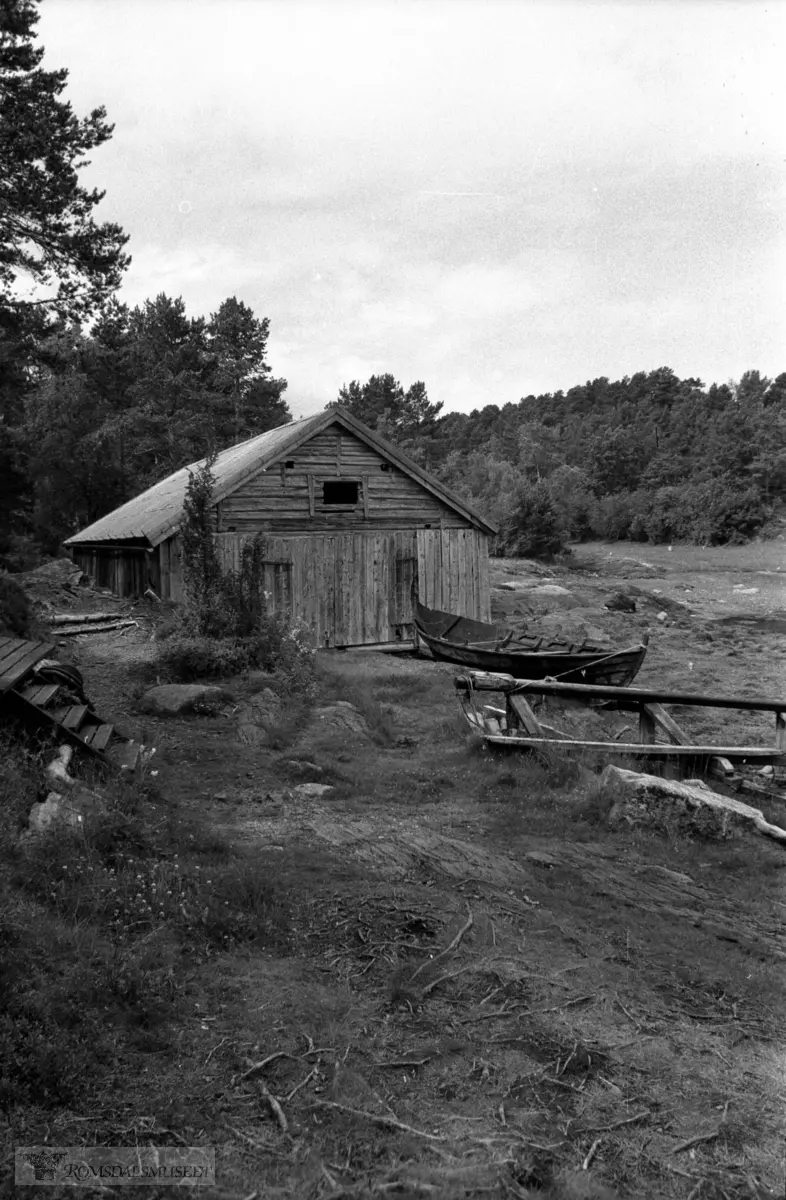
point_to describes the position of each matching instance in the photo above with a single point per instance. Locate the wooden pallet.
(43, 705)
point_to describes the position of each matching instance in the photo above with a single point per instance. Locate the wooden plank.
(646, 725)
(19, 662)
(343, 569)
(74, 716)
(340, 587)
(315, 566)
(100, 737)
(780, 730)
(365, 496)
(440, 593)
(40, 694)
(471, 543)
(332, 589)
(450, 560)
(485, 581)
(311, 495)
(660, 717)
(369, 585)
(356, 582)
(759, 754)
(520, 711)
(718, 766)
(9, 646)
(402, 647)
(629, 695)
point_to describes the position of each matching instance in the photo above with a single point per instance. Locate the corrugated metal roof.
(156, 514)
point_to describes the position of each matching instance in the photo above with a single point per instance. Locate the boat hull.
(595, 665)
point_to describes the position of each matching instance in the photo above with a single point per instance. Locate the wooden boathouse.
(347, 519)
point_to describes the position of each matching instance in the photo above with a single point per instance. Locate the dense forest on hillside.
(90, 419)
(98, 400)
(651, 457)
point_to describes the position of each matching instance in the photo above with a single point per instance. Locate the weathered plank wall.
(350, 588)
(289, 499)
(453, 571)
(128, 571)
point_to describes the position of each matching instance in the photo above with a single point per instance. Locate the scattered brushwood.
(79, 623)
(53, 582)
(412, 987)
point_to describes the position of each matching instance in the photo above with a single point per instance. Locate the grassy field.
(446, 977)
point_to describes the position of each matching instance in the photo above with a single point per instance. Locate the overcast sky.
(495, 198)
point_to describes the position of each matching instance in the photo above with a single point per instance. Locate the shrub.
(188, 658)
(15, 612)
(224, 627)
(533, 528)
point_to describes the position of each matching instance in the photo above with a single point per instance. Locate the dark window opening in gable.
(340, 491)
(289, 464)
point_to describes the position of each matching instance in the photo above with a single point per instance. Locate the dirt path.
(614, 996)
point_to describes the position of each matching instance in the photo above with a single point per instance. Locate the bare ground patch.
(477, 990)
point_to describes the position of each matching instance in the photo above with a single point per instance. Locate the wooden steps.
(45, 705)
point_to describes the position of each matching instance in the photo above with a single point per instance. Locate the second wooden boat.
(482, 647)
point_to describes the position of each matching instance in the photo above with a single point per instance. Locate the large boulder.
(552, 595)
(172, 699)
(691, 809)
(258, 716)
(342, 717)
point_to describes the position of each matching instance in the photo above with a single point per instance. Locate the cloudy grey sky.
(494, 197)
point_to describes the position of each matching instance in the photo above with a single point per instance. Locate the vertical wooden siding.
(453, 571)
(354, 589)
(128, 571)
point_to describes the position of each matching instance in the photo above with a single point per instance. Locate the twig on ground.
(405, 1062)
(617, 1124)
(215, 1048)
(528, 1012)
(591, 1154)
(273, 1104)
(376, 1119)
(300, 1085)
(561, 1083)
(628, 1014)
(696, 1141)
(432, 962)
(443, 978)
(257, 1068)
(244, 1137)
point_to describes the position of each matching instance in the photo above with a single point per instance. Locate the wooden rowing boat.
(482, 647)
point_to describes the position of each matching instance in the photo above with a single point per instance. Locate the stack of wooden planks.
(42, 704)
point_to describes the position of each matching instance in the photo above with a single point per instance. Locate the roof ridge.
(156, 513)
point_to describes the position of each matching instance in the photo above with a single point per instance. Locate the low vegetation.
(16, 618)
(224, 627)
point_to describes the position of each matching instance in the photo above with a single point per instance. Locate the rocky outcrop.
(172, 699)
(690, 809)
